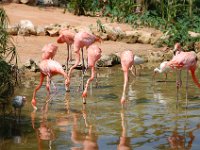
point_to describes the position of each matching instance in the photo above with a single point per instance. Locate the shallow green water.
(149, 119)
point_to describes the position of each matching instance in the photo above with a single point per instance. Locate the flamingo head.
(177, 47)
(123, 100)
(33, 102)
(61, 39)
(67, 83)
(84, 95)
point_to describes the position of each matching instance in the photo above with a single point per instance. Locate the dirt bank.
(30, 47)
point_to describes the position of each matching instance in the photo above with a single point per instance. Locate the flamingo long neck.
(77, 57)
(194, 77)
(125, 84)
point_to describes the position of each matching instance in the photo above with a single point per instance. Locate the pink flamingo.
(94, 54)
(81, 40)
(127, 60)
(49, 51)
(67, 36)
(48, 68)
(188, 61)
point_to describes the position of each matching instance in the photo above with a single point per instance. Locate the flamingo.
(163, 68)
(67, 36)
(49, 51)
(187, 61)
(127, 60)
(94, 54)
(82, 39)
(48, 68)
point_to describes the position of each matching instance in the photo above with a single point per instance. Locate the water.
(150, 119)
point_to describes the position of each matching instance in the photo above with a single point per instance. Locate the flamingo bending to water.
(81, 40)
(48, 68)
(94, 54)
(127, 60)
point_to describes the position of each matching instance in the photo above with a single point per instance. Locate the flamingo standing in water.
(81, 40)
(49, 51)
(127, 61)
(94, 54)
(67, 36)
(48, 68)
(163, 68)
(188, 61)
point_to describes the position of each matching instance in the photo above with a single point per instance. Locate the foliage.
(7, 55)
(176, 17)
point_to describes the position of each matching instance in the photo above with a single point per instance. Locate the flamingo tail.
(195, 78)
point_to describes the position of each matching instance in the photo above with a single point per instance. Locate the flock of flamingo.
(49, 67)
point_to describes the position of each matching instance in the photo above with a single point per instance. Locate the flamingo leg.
(187, 89)
(83, 69)
(177, 87)
(70, 51)
(96, 82)
(67, 56)
(35, 91)
(48, 84)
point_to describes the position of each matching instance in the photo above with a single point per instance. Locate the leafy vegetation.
(175, 17)
(7, 56)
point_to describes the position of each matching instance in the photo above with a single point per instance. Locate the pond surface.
(149, 120)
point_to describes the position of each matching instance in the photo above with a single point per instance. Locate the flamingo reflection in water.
(179, 141)
(88, 140)
(124, 142)
(44, 132)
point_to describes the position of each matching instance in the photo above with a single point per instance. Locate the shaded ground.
(30, 47)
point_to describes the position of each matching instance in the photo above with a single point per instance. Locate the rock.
(112, 33)
(47, 2)
(131, 37)
(13, 29)
(29, 63)
(197, 47)
(34, 67)
(145, 37)
(168, 55)
(64, 25)
(24, 1)
(155, 56)
(40, 31)
(193, 34)
(26, 27)
(108, 60)
(53, 32)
